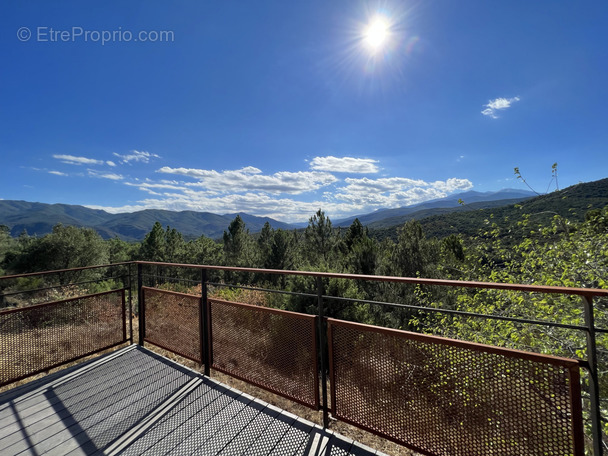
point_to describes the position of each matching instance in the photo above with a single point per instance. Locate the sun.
(377, 33)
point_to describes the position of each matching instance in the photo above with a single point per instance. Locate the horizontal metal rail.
(465, 314)
(413, 307)
(591, 292)
(406, 280)
(265, 290)
(61, 301)
(33, 290)
(59, 271)
(175, 279)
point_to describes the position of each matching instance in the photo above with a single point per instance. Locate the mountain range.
(455, 213)
(39, 219)
(572, 203)
(470, 200)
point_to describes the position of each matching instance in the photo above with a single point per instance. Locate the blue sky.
(279, 108)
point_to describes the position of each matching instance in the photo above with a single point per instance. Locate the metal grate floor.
(135, 402)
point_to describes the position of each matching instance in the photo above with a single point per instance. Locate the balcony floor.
(136, 402)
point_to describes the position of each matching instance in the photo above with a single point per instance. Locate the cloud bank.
(333, 184)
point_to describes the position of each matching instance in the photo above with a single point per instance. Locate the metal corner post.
(140, 305)
(323, 351)
(594, 389)
(203, 325)
(130, 287)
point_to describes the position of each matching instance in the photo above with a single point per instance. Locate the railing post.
(140, 305)
(130, 287)
(323, 350)
(203, 325)
(594, 389)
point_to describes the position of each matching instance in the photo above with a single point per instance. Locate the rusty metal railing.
(567, 373)
(172, 322)
(448, 397)
(50, 318)
(43, 336)
(273, 349)
(552, 384)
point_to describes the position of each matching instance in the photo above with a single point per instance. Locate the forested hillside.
(433, 247)
(38, 219)
(573, 203)
(522, 247)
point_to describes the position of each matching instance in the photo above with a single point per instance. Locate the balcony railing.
(435, 395)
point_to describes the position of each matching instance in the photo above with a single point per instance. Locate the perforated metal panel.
(36, 338)
(446, 397)
(172, 322)
(270, 348)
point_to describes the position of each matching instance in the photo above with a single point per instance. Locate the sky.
(281, 108)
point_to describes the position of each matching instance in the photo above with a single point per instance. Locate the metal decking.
(135, 402)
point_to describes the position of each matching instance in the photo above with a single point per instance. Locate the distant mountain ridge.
(39, 219)
(572, 202)
(439, 217)
(471, 200)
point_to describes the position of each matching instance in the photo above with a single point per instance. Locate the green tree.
(203, 251)
(68, 247)
(153, 246)
(413, 255)
(175, 246)
(120, 251)
(65, 247)
(239, 250)
(8, 247)
(264, 245)
(281, 251)
(238, 245)
(361, 256)
(356, 232)
(560, 253)
(163, 245)
(280, 256)
(319, 241)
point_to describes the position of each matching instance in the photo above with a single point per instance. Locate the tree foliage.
(525, 247)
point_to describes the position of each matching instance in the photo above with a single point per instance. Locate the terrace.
(117, 324)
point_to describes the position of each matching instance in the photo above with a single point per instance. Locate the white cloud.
(344, 165)
(136, 156)
(392, 192)
(498, 104)
(150, 188)
(285, 209)
(252, 179)
(57, 173)
(111, 176)
(73, 160)
(452, 184)
(285, 195)
(110, 163)
(357, 196)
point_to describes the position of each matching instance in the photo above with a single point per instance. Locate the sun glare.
(376, 33)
